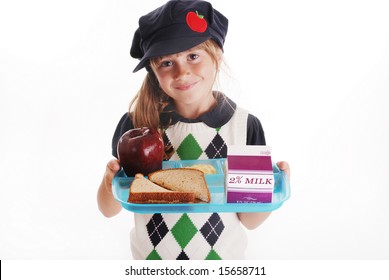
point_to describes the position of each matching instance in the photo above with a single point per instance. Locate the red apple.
(196, 22)
(140, 150)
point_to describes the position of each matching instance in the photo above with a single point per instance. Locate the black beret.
(175, 27)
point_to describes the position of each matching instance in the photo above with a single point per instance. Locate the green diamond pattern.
(189, 148)
(154, 256)
(184, 230)
(212, 255)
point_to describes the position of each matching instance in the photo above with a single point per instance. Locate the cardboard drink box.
(250, 177)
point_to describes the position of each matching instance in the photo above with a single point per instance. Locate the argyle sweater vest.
(193, 236)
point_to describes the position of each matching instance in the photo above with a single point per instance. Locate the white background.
(315, 74)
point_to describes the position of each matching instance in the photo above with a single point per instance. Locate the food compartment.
(170, 164)
(215, 163)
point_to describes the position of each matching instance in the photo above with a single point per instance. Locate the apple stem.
(200, 16)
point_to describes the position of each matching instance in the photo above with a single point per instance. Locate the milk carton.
(250, 177)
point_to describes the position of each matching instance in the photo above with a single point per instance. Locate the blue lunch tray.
(216, 184)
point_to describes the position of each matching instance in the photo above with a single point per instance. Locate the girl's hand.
(253, 220)
(113, 166)
(284, 166)
(107, 204)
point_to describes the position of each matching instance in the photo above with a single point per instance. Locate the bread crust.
(161, 197)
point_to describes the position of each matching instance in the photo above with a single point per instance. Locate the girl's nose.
(182, 70)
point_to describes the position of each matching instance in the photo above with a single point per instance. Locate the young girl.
(181, 46)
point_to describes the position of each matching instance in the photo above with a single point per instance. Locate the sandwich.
(182, 180)
(143, 190)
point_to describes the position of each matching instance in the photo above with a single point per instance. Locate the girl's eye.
(165, 63)
(193, 56)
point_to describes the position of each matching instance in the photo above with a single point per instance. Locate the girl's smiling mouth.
(184, 87)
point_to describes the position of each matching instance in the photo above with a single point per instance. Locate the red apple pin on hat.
(196, 22)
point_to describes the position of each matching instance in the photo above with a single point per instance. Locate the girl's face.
(188, 77)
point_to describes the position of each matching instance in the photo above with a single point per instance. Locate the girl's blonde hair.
(151, 100)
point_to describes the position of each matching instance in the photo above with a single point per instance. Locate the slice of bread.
(143, 190)
(184, 180)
